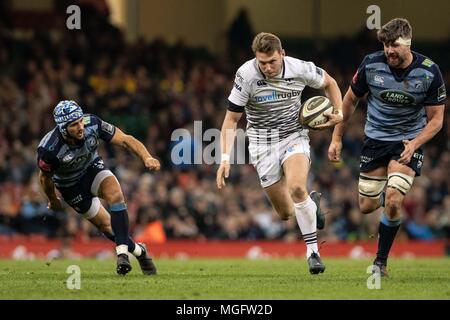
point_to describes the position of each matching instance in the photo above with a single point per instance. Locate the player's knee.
(394, 201)
(368, 205)
(366, 209)
(298, 192)
(114, 196)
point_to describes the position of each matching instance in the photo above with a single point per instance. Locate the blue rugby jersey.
(68, 163)
(396, 104)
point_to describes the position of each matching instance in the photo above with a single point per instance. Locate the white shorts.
(268, 159)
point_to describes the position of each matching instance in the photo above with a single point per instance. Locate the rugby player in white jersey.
(268, 89)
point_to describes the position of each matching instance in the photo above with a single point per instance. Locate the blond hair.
(266, 43)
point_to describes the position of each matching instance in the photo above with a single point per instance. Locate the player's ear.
(283, 53)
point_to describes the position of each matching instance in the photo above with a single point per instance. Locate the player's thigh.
(279, 197)
(395, 166)
(374, 160)
(265, 159)
(296, 169)
(100, 181)
(110, 190)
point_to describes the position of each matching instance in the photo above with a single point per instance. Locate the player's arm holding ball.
(333, 93)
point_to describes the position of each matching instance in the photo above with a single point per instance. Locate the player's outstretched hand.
(334, 151)
(152, 164)
(55, 205)
(333, 119)
(222, 173)
(405, 156)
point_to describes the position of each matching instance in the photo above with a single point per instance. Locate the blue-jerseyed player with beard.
(68, 160)
(405, 109)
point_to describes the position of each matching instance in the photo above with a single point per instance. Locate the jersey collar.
(401, 75)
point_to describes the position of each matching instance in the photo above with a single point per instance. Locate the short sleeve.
(240, 93)
(47, 162)
(359, 83)
(313, 75)
(436, 93)
(106, 130)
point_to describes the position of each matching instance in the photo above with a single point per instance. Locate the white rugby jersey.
(272, 104)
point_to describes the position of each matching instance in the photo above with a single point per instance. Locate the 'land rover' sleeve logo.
(107, 127)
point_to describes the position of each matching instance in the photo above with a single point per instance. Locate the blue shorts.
(376, 154)
(80, 196)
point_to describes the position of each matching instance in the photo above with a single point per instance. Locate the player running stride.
(68, 160)
(268, 88)
(405, 109)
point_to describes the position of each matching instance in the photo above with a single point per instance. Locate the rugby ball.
(311, 111)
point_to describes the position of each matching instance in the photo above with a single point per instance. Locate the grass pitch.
(226, 279)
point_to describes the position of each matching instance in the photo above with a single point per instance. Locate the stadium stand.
(149, 89)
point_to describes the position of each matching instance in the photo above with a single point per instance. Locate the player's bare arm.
(348, 107)
(54, 203)
(131, 143)
(227, 136)
(435, 116)
(333, 93)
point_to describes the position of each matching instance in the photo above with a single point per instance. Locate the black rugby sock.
(119, 223)
(386, 232)
(131, 243)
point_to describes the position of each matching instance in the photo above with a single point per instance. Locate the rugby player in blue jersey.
(68, 161)
(405, 96)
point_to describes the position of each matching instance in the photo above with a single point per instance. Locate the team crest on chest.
(91, 142)
(68, 157)
(378, 80)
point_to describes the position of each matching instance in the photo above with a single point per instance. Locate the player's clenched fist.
(152, 164)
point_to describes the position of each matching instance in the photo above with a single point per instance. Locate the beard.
(394, 60)
(78, 136)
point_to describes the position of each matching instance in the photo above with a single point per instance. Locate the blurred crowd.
(149, 89)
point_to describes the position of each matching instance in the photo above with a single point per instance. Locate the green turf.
(226, 279)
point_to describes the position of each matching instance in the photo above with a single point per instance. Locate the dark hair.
(394, 29)
(266, 43)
